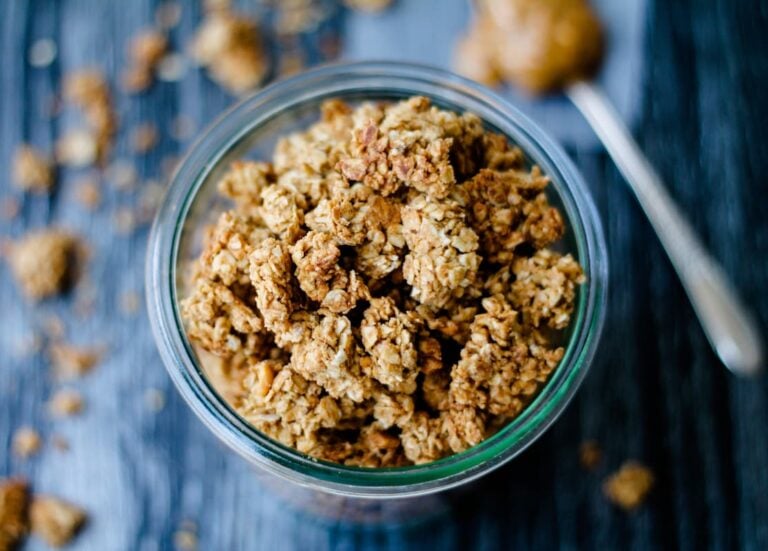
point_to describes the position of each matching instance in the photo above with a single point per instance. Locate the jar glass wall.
(251, 129)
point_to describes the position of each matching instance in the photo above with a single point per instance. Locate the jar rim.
(377, 79)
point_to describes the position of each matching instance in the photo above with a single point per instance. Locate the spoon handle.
(728, 325)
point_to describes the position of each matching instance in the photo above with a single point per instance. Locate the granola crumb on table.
(629, 486)
(55, 520)
(382, 293)
(43, 262)
(14, 503)
(32, 170)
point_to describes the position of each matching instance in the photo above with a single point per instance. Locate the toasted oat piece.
(32, 170)
(14, 502)
(43, 262)
(26, 442)
(629, 486)
(55, 520)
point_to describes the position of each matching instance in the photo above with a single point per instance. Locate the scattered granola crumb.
(185, 539)
(629, 486)
(32, 170)
(230, 46)
(122, 174)
(10, 207)
(77, 148)
(298, 16)
(125, 220)
(368, 5)
(88, 90)
(65, 403)
(145, 52)
(26, 442)
(88, 192)
(154, 399)
(144, 137)
(129, 303)
(54, 520)
(60, 443)
(14, 504)
(43, 262)
(42, 53)
(590, 454)
(71, 362)
(168, 14)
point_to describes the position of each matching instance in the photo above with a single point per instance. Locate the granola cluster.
(382, 293)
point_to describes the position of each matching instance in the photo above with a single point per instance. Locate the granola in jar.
(384, 291)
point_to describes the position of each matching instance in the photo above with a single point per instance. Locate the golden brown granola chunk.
(14, 502)
(508, 208)
(55, 520)
(244, 182)
(442, 263)
(43, 262)
(501, 367)
(387, 336)
(330, 358)
(544, 289)
(316, 257)
(411, 143)
(629, 486)
(220, 322)
(276, 295)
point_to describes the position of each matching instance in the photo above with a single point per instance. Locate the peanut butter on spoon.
(557, 45)
(539, 45)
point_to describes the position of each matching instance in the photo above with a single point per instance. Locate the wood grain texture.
(655, 393)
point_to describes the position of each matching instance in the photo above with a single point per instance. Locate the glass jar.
(251, 128)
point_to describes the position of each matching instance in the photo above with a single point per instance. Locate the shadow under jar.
(251, 130)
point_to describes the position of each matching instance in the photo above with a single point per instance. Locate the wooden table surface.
(655, 393)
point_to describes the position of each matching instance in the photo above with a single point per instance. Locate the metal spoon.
(727, 323)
